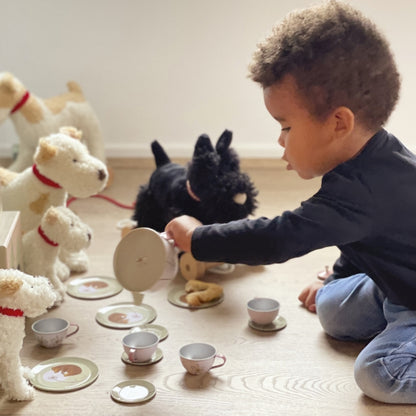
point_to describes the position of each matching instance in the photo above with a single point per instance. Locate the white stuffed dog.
(21, 295)
(62, 165)
(34, 117)
(60, 228)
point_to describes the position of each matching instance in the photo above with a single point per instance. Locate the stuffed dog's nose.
(240, 198)
(101, 174)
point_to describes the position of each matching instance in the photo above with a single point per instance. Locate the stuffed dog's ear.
(224, 141)
(71, 132)
(229, 158)
(44, 151)
(203, 146)
(6, 83)
(51, 216)
(9, 285)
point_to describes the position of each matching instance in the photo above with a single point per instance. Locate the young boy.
(330, 80)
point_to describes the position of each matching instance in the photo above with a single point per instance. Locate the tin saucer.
(157, 356)
(64, 374)
(158, 330)
(133, 391)
(278, 324)
(177, 297)
(93, 287)
(125, 315)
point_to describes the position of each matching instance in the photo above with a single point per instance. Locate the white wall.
(171, 69)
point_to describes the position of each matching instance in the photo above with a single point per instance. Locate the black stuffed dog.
(211, 188)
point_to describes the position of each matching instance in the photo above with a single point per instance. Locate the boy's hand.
(308, 295)
(180, 229)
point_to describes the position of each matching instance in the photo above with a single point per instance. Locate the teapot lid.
(139, 259)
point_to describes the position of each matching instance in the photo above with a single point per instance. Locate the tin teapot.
(143, 257)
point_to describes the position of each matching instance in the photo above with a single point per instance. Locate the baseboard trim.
(149, 163)
(126, 150)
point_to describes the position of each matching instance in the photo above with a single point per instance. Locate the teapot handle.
(171, 241)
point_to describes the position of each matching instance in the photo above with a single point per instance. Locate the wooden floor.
(298, 371)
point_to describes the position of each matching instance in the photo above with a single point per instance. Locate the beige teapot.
(143, 257)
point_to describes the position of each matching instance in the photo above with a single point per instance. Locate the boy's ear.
(344, 121)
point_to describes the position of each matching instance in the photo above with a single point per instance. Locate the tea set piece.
(324, 274)
(64, 374)
(278, 324)
(177, 297)
(93, 287)
(264, 314)
(222, 268)
(125, 315)
(50, 332)
(141, 348)
(198, 358)
(133, 391)
(159, 330)
(156, 357)
(142, 257)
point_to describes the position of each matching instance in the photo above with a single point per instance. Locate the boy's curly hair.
(337, 58)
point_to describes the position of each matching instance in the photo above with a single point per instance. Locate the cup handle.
(221, 357)
(74, 331)
(131, 354)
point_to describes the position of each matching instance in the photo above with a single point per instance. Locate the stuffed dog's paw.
(201, 292)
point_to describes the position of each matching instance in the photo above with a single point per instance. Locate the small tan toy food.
(201, 292)
(193, 269)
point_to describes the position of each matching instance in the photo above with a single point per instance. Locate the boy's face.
(306, 140)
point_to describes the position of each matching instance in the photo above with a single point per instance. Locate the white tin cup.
(263, 311)
(140, 346)
(198, 358)
(50, 332)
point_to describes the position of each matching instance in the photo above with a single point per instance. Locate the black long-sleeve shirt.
(365, 206)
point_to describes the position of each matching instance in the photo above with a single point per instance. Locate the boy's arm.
(335, 216)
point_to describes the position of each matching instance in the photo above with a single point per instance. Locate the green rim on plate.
(278, 324)
(133, 391)
(125, 315)
(177, 297)
(93, 287)
(158, 330)
(64, 374)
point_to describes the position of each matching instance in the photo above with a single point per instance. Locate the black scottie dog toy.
(211, 188)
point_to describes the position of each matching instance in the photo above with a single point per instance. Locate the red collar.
(21, 103)
(11, 312)
(191, 192)
(46, 238)
(44, 179)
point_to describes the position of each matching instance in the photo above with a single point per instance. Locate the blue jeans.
(355, 309)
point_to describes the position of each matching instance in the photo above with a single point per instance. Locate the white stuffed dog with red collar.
(21, 295)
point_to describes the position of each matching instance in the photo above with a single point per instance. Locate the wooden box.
(10, 240)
